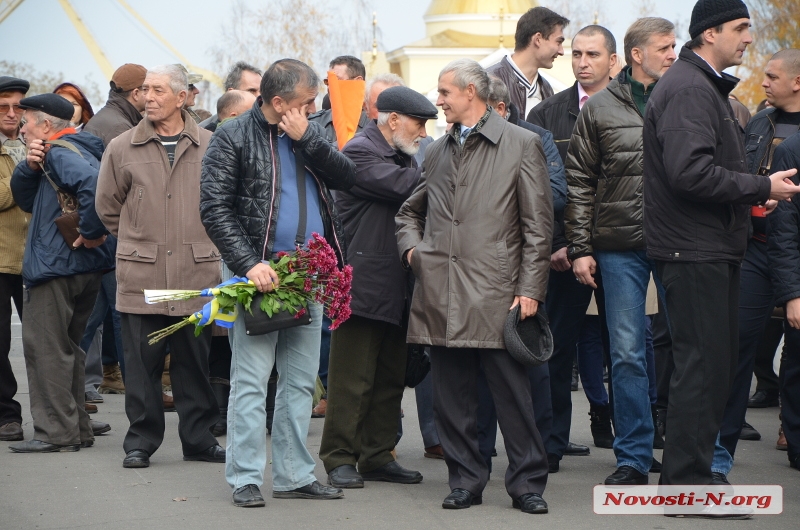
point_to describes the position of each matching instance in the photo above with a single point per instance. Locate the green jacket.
(605, 207)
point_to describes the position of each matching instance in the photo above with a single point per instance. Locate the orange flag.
(347, 100)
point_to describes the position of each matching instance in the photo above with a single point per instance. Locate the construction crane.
(8, 6)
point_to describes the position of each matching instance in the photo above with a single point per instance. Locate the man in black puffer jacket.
(697, 198)
(252, 185)
(784, 256)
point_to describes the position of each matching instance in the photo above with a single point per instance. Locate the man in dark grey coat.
(125, 105)
(697, 200)
(477, 234)
(366, 371)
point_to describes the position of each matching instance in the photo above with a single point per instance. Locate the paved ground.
(90, 489)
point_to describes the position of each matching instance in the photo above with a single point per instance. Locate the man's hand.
(783, 189)
(408, 256)
(559, 260)
(793, 313)
(770, 206)
(89, 243)
(36, 152)
(528, 308)
(264, 277)
(294, 123)
(584, 269)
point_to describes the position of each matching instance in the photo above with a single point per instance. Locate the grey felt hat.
(528, 341)
(51, 104)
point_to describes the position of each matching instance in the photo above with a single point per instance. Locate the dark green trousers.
(366, 375)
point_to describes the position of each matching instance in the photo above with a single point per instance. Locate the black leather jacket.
(239, 196)
(758, 136)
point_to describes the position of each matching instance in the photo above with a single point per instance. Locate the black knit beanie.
(711, 13)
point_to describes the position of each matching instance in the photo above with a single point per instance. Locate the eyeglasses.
(5, 108)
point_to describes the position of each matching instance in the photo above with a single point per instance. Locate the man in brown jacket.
(148, 196)
(13, 229)
(477, 234)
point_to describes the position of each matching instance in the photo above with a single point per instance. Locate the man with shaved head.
(768, 129)
(234, 103)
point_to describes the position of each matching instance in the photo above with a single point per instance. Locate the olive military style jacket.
(480, 222)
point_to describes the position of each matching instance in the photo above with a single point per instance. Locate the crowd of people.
(644, 194)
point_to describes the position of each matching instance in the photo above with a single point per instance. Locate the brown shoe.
(169, 403)
(112, 380)
(166, 382)
(11, 432)
(90, 408)
(320, 410)
(434, 452)
(781, 445)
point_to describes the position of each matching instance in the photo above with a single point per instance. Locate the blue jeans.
(590, 361)
(625, 278)
(295, 352)
(106, 301)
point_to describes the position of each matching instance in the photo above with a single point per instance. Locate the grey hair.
(498, 92)
(178, 79)
(234, 77)
(383, 118)
(638, 35)
(468, 72)
(57, 123)
(383, 79)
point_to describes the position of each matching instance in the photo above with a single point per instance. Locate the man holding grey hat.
(60, 281)
(367, 365)
(697, 199)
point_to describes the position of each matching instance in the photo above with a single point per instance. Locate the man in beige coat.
(148, 195)
(477, 234)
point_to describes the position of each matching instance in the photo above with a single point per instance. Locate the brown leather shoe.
(112, 380)
(90, 408)
(169, 403)
(781, 445)
(11, 432)
(434, 452)
(320, 410)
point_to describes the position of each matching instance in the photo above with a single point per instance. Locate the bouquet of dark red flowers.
(306, 275)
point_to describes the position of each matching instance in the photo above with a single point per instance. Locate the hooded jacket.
(697, 193)
(47, 255)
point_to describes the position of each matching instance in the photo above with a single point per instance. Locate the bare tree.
(647, 8)
(580, 13)
(43, 82)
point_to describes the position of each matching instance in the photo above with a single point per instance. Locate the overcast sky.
(40, 33)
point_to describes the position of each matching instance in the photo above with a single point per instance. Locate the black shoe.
(87, 443)
(658, 440)
(552, 463)
(600, 417)
(460, 499)
(655, 466)
(315, 490)
(763, 399)
(38, 446)
(99, 427)
(576, 450)
(222, 390)
(749, 433)
(345, 476)
(626, 476)
(92, 396)
(393, 472)
(215, 454)
(248, 497)
(11, 432)
(530, 503)
(136, 458)
(719, 479)
(575, 378)
(795, 462)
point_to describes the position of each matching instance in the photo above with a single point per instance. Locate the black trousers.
(455, 406)
(56, 313)
(188, 368)
(662, 351)
(702, 302)
(766, 379)
(790, 390)
(10, 289)
(756, 303)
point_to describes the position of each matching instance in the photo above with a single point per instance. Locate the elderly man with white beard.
(367, 364)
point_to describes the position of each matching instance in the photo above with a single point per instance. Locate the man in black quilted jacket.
(256, 172)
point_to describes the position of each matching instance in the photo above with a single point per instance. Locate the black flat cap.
(51, 104)
(403, 100)
(529, 341)
(8, 84)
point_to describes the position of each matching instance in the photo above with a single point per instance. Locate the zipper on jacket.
(761, 162)
(138, 208)
(272, 199)
(330, 214)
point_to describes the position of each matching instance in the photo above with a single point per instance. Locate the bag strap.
(300, 239)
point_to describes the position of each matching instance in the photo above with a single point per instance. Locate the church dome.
(492, 7)
(476, 17)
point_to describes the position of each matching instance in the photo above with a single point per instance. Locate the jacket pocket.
(135, 251)
(205, 252)
(502, 261)
(129, 253)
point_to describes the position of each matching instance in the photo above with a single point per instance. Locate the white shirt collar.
(709, 64)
